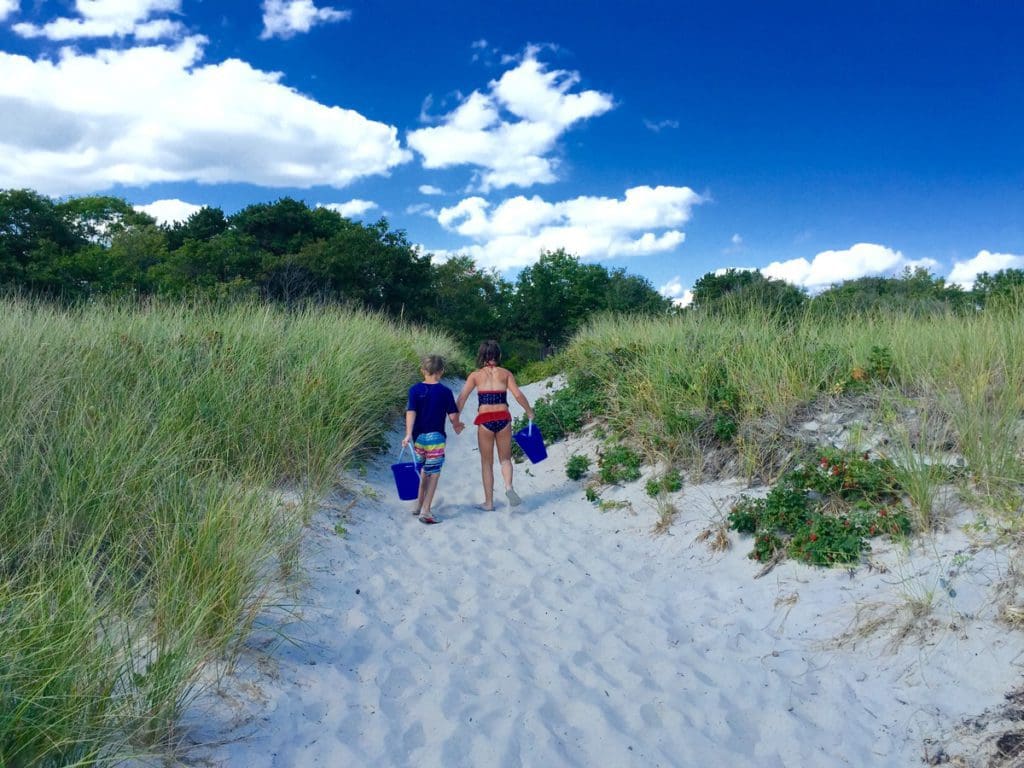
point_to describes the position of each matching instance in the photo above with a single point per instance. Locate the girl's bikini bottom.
(493, 420)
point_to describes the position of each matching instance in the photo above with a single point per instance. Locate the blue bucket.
(532, 442)
(407, 478)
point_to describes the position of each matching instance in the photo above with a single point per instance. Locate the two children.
(430, 403)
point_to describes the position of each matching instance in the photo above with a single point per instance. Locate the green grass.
(139, 453)
(679, 388)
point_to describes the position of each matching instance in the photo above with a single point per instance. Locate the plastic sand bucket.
(532, 442)
(407, 478)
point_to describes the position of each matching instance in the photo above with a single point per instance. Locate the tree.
(633, 294)
(555, 296)
(204, 264)
(97, 218)
(201, 226)
(133, 253)
(915, 291)
(285, 226)
(470, 303)
(1004, 285)
(370, 265)
(34, 234)
(739, 290)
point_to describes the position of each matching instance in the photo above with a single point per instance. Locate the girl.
(494, 422)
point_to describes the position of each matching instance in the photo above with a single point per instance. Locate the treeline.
(915, 291)
(80, 248)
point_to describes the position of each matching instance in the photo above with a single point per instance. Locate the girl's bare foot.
(513, 498)
(484, 507)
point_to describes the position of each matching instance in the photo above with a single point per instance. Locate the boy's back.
(432, 404)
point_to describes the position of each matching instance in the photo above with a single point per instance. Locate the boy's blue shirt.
(432, 404)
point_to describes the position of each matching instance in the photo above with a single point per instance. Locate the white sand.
(560, 635)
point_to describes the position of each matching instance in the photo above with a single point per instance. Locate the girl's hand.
(405, 441)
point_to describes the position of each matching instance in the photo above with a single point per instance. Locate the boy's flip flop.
(426, 520)
(513, 498)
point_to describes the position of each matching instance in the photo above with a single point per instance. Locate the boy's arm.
(410, 419)
(457, 424)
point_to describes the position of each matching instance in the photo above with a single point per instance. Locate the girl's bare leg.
(504, 442)
(485, 440)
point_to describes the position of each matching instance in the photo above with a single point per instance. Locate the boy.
(429, 403)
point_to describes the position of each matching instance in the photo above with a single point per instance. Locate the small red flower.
(882, 512)
(814, 537)
(872, 529)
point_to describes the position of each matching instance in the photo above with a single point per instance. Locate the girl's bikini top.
(492, 397)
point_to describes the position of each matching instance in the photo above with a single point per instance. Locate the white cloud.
(660, 125)
(514, 233)
(7, 7)
(736, 239)
(421, 209)
(169, 211)
(110, 18)
(286, 18)
(830, 267)
(673, 289)
(351, 209)
(155, 113)
(965, 272)
(428, 189)
(510, 131)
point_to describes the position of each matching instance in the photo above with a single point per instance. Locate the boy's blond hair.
(432, 364)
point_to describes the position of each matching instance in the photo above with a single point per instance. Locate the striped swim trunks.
(429, 448)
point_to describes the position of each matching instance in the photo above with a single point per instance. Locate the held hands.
(458, 426)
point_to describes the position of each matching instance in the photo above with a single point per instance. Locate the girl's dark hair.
(489, 350)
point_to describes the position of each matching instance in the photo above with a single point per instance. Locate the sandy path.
(557, 635)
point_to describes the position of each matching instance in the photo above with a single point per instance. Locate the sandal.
(428, 520)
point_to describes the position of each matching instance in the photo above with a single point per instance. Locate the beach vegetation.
(577, 466)
(671, 481)
(824, 511)
(142, 525)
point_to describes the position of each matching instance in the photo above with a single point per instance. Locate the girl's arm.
(517, 393)
(466, 389)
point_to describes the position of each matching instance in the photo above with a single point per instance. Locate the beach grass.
(681, 388)
(142, 455)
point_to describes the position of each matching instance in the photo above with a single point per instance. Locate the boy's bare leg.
(427, 488)
(419, 497)
(485, 440)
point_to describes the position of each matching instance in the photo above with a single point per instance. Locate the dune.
(555, 634)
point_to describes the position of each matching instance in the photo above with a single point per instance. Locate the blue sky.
(815, 141)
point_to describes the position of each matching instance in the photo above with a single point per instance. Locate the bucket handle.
(412, 453)
(530, 433)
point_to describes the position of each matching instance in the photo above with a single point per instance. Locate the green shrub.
(618, 464)
(670, 482)
(577, 466)
(824, 512)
